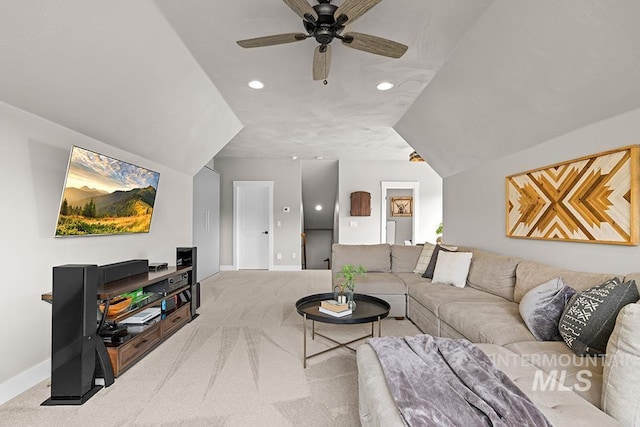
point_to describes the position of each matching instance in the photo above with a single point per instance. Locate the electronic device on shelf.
(142, 316)
(157, 266)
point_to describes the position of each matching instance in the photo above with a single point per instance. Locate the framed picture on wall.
(401, 206)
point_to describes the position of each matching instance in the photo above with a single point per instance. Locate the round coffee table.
(369, 309)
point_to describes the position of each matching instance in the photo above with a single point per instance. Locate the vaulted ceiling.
(165, 79)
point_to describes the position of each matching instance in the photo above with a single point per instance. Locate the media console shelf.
(78, 354)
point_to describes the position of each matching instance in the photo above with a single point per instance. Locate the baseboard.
(228, 268)
(24, 381)
(286, 268)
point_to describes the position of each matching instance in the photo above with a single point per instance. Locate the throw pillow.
(589, 318)
(425, 257)
(542, 307)
(621, 376)
(428, 273)
(452, 268)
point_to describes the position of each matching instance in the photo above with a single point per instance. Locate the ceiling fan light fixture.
(384, 86)
(256, 84)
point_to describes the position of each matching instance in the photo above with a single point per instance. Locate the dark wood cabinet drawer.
(175, 320)
(128, 353)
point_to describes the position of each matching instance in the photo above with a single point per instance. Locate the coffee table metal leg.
(304, 356)
(313, 329)
(379, 327)
(372, 323)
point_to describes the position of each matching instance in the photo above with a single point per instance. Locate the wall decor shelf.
(360, 203)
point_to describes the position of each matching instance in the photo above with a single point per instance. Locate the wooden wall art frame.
(591, 199)
(402, 206)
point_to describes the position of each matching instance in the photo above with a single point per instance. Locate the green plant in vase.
(349, 274)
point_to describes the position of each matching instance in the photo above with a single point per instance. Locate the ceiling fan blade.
(354, 9)
(321, 62)
(375, 45)
(301, 7)
(273, 40)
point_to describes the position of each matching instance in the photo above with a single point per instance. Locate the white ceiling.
(165, 79)
(526, 72)
(294, 115)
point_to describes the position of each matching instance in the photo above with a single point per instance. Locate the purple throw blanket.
(445, 382)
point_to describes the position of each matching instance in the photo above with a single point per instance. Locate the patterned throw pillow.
(542, 307)
(428, 273)
(425, 256)
(590, 316)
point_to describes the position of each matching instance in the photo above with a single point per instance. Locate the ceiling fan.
(325, 22)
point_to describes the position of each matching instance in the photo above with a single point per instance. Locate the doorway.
(400, 229)
(252, 220)
(319, 204)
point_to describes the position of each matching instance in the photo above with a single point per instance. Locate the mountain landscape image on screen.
(103, 195)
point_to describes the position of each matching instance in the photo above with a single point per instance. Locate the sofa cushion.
(490, 322)
(542, 307)
(425, 257)
(433, 296)
(412, 278)
(621, 385)
(530, 274)
(372, 257)
(404, 258)
(380, 284)
(428, 273)
(452, 268)
(582, 374)
(590, 316)
(563, 408)
(493, 273)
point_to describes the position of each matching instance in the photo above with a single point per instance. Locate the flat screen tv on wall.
(103, 195)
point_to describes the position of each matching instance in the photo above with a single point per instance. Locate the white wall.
(366, 175)
(34, 155)
(474, 201)
(287, 190)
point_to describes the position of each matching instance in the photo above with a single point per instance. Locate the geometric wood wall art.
(590, 199)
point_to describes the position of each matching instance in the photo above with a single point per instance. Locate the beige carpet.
(238, 364)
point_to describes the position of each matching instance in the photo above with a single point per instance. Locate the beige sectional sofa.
(571, 390)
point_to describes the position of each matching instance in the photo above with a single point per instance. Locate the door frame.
(399, 185)
(236, 232)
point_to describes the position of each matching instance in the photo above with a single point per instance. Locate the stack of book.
(333, 308)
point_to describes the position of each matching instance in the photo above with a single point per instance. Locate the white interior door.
(253, 203)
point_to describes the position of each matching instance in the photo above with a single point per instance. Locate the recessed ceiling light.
(318, 207)
(256, 84)
(384, 86)
(294, 157)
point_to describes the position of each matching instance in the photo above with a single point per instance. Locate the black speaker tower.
(188, 257)
(77, 353)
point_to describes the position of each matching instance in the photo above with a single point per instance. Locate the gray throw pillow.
(542, 307)
(431, 268)
(588, 320)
